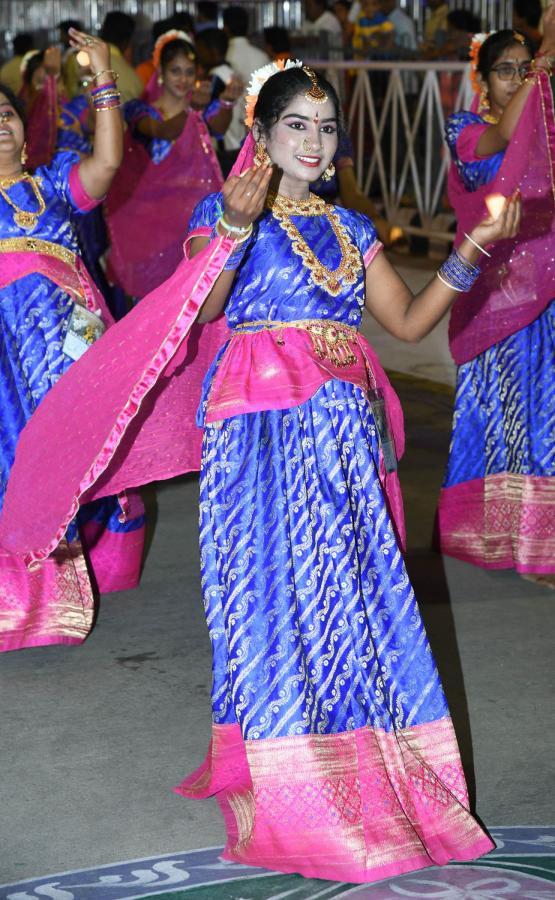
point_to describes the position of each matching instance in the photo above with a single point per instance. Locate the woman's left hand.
(97, 50)
(506, 225)
(200, 95)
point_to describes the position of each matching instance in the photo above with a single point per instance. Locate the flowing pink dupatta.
(149, 206)
(518, 282)
(119, 411)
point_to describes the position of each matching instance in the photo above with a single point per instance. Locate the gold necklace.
(349, 268)
(23, 218)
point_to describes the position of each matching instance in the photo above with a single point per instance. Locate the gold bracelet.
(111, 72)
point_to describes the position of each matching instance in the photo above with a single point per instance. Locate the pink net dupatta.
(149, 206)
(518, 281)
(117, 412)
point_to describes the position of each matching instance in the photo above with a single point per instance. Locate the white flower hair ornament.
(474, 52)
(259, 78)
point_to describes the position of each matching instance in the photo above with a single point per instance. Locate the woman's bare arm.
(409, 317)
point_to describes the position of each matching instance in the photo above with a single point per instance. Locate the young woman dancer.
(333, 752)
(497, 505)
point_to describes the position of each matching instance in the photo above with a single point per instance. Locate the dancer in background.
(333, 752)
(41, 95)
(50, 312)
(168, 166)
(497, 505)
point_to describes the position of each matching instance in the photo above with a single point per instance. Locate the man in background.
(117, 30)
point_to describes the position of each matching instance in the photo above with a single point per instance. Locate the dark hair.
(214, 39)
(279, 90)
(208, 10)
(22, 43)
(13, 100)
(176, 48)
(182, 21)
(117, 29)
(529, 10)
(277, 38)
(236, 20)
(464, 20)
(33, 64)
(495, 45)
(70, 23)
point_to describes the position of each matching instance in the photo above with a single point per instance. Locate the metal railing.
(396, 115)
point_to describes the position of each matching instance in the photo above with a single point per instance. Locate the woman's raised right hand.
(244, 195)
(548, 24)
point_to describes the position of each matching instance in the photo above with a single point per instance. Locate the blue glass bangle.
(458, 273)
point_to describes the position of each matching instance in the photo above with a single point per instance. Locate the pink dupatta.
(42, 124)
(518, 282)
(149, 206)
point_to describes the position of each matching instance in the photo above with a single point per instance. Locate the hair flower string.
(260, 77)
(172, 35)
(474, 52)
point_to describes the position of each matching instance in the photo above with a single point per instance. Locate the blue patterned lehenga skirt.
(497, 504)
(333, 753)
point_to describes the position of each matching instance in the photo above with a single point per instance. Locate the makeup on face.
(303, 141)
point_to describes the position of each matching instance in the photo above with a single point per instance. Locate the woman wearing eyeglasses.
(497, 505)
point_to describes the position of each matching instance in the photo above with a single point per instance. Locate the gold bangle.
(111, 72)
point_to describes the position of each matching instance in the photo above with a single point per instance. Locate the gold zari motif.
(330, 339)
(35, 245)
(331, 280)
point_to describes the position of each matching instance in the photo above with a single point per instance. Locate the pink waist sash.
(278, 367)
(284, 364)
(26, 256)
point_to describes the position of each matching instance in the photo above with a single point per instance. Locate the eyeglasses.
(507, 71)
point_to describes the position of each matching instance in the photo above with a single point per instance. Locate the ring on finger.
(89, 41)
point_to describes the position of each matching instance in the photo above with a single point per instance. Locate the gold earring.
(160, 80)
(484, 102)
(24, 157)
(261, 156)
(328, 174)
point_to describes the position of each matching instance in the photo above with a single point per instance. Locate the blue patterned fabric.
(34, 319)
(313, 621)
(504, 418)
(474, 173)
(72, 135)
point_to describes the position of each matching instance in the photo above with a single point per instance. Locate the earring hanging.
(328, 174)
(261, 156)
(160, 80)
(24, 157)
(484, 101)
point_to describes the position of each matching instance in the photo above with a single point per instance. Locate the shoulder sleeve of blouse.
(363, 234)
(63, 174)
(134, 110)
(207, 212)
(462, 133)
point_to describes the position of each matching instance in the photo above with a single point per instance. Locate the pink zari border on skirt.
(358, 806)
(504, 521)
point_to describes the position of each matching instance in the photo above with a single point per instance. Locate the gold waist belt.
(330, 339)
(35, 245)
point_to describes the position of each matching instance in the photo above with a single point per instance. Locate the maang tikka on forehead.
(315, 94)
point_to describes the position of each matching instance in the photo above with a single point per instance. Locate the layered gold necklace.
(331, 280)
(23, 218)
